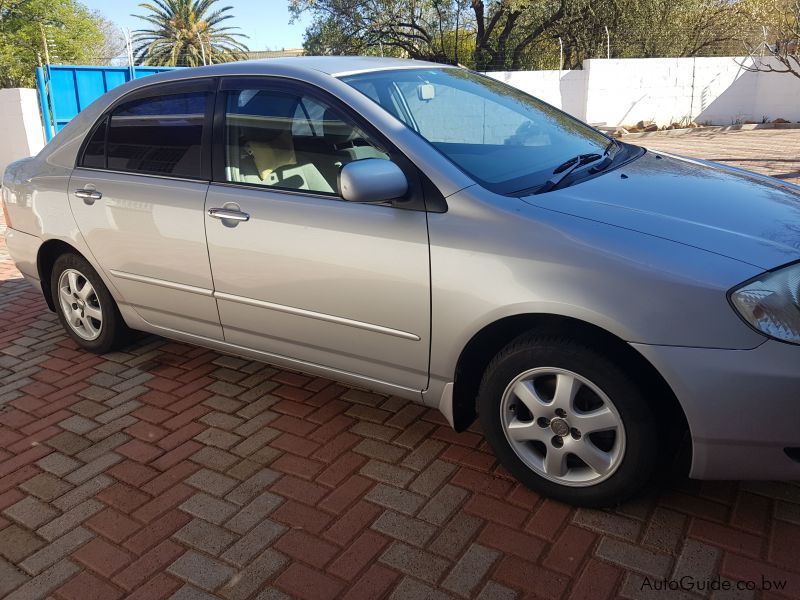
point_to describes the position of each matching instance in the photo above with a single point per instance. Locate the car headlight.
(771, 303)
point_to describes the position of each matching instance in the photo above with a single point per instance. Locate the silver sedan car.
(425, 231)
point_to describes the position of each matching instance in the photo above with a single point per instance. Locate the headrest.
(334, 130)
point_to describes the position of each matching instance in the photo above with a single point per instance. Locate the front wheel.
(84, 305)
(568, 422)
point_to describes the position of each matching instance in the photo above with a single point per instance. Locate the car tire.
(568, 422)
(84, 305)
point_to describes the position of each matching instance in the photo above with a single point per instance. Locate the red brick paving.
(170, 469)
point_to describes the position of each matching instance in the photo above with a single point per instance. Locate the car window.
(94, 154)
(438, 121)
(506, 140)
(287, 140)
(159, 135)
(308, 117)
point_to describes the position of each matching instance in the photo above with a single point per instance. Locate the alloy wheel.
(562, 426)
(80, 304)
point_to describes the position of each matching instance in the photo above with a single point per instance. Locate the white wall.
(717, 91)
(21, 132)
(564, 89)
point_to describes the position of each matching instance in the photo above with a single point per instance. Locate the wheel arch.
(486, 343)
(46, 257)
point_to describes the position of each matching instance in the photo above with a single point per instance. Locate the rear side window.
(160, 135)
(94, 155)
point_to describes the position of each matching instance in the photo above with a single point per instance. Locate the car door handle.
(229, 214)
(88, 194)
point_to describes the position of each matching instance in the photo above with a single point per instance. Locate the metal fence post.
(44, 103)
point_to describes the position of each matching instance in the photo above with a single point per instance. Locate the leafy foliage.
(75, 35)
(187, 33)
(655, 28)
(518, 34)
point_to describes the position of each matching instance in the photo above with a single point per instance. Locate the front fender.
(494, 257)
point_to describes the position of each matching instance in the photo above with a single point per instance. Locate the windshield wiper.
(562, 171)
(608, 157)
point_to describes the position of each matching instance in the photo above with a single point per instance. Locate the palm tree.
(186, 33)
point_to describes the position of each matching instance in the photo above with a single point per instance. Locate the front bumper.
(743, 407)
(24, 249)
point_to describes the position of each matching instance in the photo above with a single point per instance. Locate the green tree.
(524, 34)
(412, 28)
(187, 33)
(478, 33)
(508, 29)
(74, 35)
(653, 28)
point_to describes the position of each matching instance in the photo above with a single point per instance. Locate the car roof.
(300, 67)
(346, 65)
(297, 66)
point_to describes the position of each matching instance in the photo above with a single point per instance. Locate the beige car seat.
(257, 155)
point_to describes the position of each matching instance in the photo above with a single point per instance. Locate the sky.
(266, 22)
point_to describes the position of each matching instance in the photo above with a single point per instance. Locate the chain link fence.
(553, 51)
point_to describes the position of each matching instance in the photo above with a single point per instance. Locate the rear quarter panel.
(36, 195)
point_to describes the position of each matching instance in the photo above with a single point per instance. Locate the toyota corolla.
(428, 232)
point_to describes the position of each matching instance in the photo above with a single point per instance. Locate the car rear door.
(308, 276)
(138, 194)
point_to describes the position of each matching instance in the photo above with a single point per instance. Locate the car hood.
(735, 213)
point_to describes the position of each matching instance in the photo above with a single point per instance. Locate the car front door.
(138, 195)
(308, 276)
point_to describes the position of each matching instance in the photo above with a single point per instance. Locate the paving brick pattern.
(168, 470)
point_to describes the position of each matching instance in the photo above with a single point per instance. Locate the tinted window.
(94, 155)
(287, 140)
(160, 135)
(308, 117)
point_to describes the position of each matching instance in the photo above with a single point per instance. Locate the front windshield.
(503, 138)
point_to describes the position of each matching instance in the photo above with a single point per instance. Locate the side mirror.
(372, 180)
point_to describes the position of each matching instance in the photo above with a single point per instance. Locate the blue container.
(65, 90)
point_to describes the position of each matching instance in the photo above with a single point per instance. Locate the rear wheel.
(84, 305)
(567, 422)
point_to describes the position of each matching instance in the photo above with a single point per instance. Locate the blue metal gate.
(65, 90)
